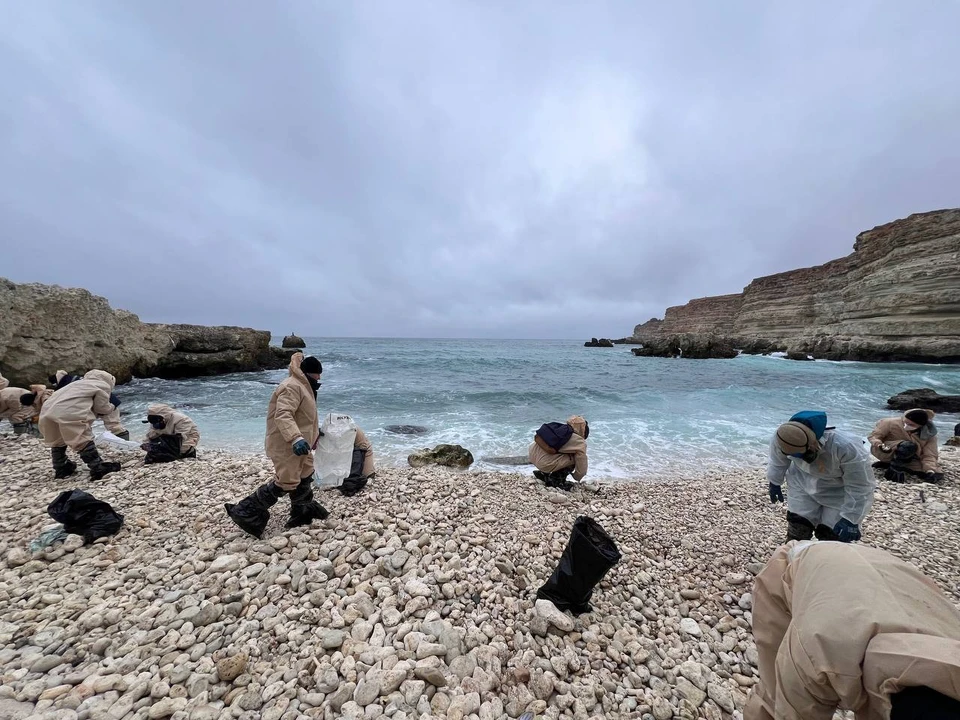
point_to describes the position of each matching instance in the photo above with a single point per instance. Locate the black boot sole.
(102, 473)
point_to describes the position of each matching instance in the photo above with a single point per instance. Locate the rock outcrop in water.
(925, 398)
(687, 345)
(293, 341)
(895, 298)
(602, 342)
(46, 327)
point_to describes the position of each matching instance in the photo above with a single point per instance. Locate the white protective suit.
(838, 484)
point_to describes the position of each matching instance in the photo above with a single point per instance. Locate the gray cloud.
(460, 169)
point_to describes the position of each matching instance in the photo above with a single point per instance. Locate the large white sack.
(108, 437)
(334, 453)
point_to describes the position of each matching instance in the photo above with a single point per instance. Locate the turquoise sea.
(648, 416)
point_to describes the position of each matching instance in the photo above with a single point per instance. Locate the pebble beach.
(414, 599)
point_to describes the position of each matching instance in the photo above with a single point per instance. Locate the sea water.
(648, 417)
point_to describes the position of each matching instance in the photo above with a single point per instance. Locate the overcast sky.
(450, 169)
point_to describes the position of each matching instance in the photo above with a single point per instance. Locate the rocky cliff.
(896, 298)
(46, 327)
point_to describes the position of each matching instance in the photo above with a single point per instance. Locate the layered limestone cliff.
(44, 328)
(896, 298)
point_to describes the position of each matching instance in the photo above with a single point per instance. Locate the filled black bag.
(83, 514)
(355, 481)
(589, 554)
(166, 448)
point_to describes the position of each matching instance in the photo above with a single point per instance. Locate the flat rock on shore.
(414, 599)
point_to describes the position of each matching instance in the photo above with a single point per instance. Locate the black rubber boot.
(825, 533)
(798, 527)
(98, 467)
(62, 467)
(253, 512)
(125, 435)
(21, 428)
(303, 508)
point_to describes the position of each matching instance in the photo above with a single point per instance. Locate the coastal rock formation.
(293, 341)
(445, 455)
(602, 342)
(925, 398)
(46, 327)
(687, 345)
(407, 429)
(895, 298)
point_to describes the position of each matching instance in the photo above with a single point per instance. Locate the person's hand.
(145, 447)
(776, 493)
(931, 477)
(114, 400)
(301, 447)
(846, 531)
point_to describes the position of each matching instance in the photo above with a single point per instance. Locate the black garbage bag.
(355, 481)
(167, 448)
(904, 453)
(589, 554)
(83, 514)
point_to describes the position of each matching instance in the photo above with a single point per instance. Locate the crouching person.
(17, 406)
(172, 435)
(32, 403)
(559, 450)
(852, 627)
(293, 428)
(907, 445)
(66, 420)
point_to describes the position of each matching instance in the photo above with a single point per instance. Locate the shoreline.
(414, 599)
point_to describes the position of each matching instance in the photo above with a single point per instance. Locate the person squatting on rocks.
(172, 435)
(559, 449)
(852, 626)
(829, 480)
(362, 467)
(293, 428)
(4, 383)
(907, 444)
(66, 419)
(20, 406)
(111, 421)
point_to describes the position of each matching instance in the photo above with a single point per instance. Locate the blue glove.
(776, 493)
(114, 400)
(847, 531)
(300, 447)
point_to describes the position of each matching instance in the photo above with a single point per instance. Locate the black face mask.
(314, 385)
(808, 456)
(156, 422)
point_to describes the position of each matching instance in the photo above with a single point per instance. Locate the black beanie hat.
(311, 365)
(918, 417)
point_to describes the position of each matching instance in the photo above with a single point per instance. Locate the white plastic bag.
(334, 450)
(119, 443)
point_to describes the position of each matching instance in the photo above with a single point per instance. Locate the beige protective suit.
(572, 454)
(292, 415)
(891, 432)
(10, 407)
(838, 624)
(176, 423)
(67, 416)
(361, 443)
(4, 383)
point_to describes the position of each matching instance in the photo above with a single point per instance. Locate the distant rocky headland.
(895, 298)
(47, 327)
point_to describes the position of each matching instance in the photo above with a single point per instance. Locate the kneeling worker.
(907, 444)
(853, 627)
(33, 403)
(66, 419)
(19, 406)
(829, 480)
(559, 449)
(172, 435)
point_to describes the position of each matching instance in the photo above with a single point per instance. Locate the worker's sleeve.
(101, 404)
(858, 483)
(288, 400)
(930, 462)
(804, 690)
(580, 465)
(777, 465)
(878, 436)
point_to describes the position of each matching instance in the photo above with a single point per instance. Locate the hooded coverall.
(175, 423)
(891, 432)
(839, 483)
(847, 625)
(573, 454)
